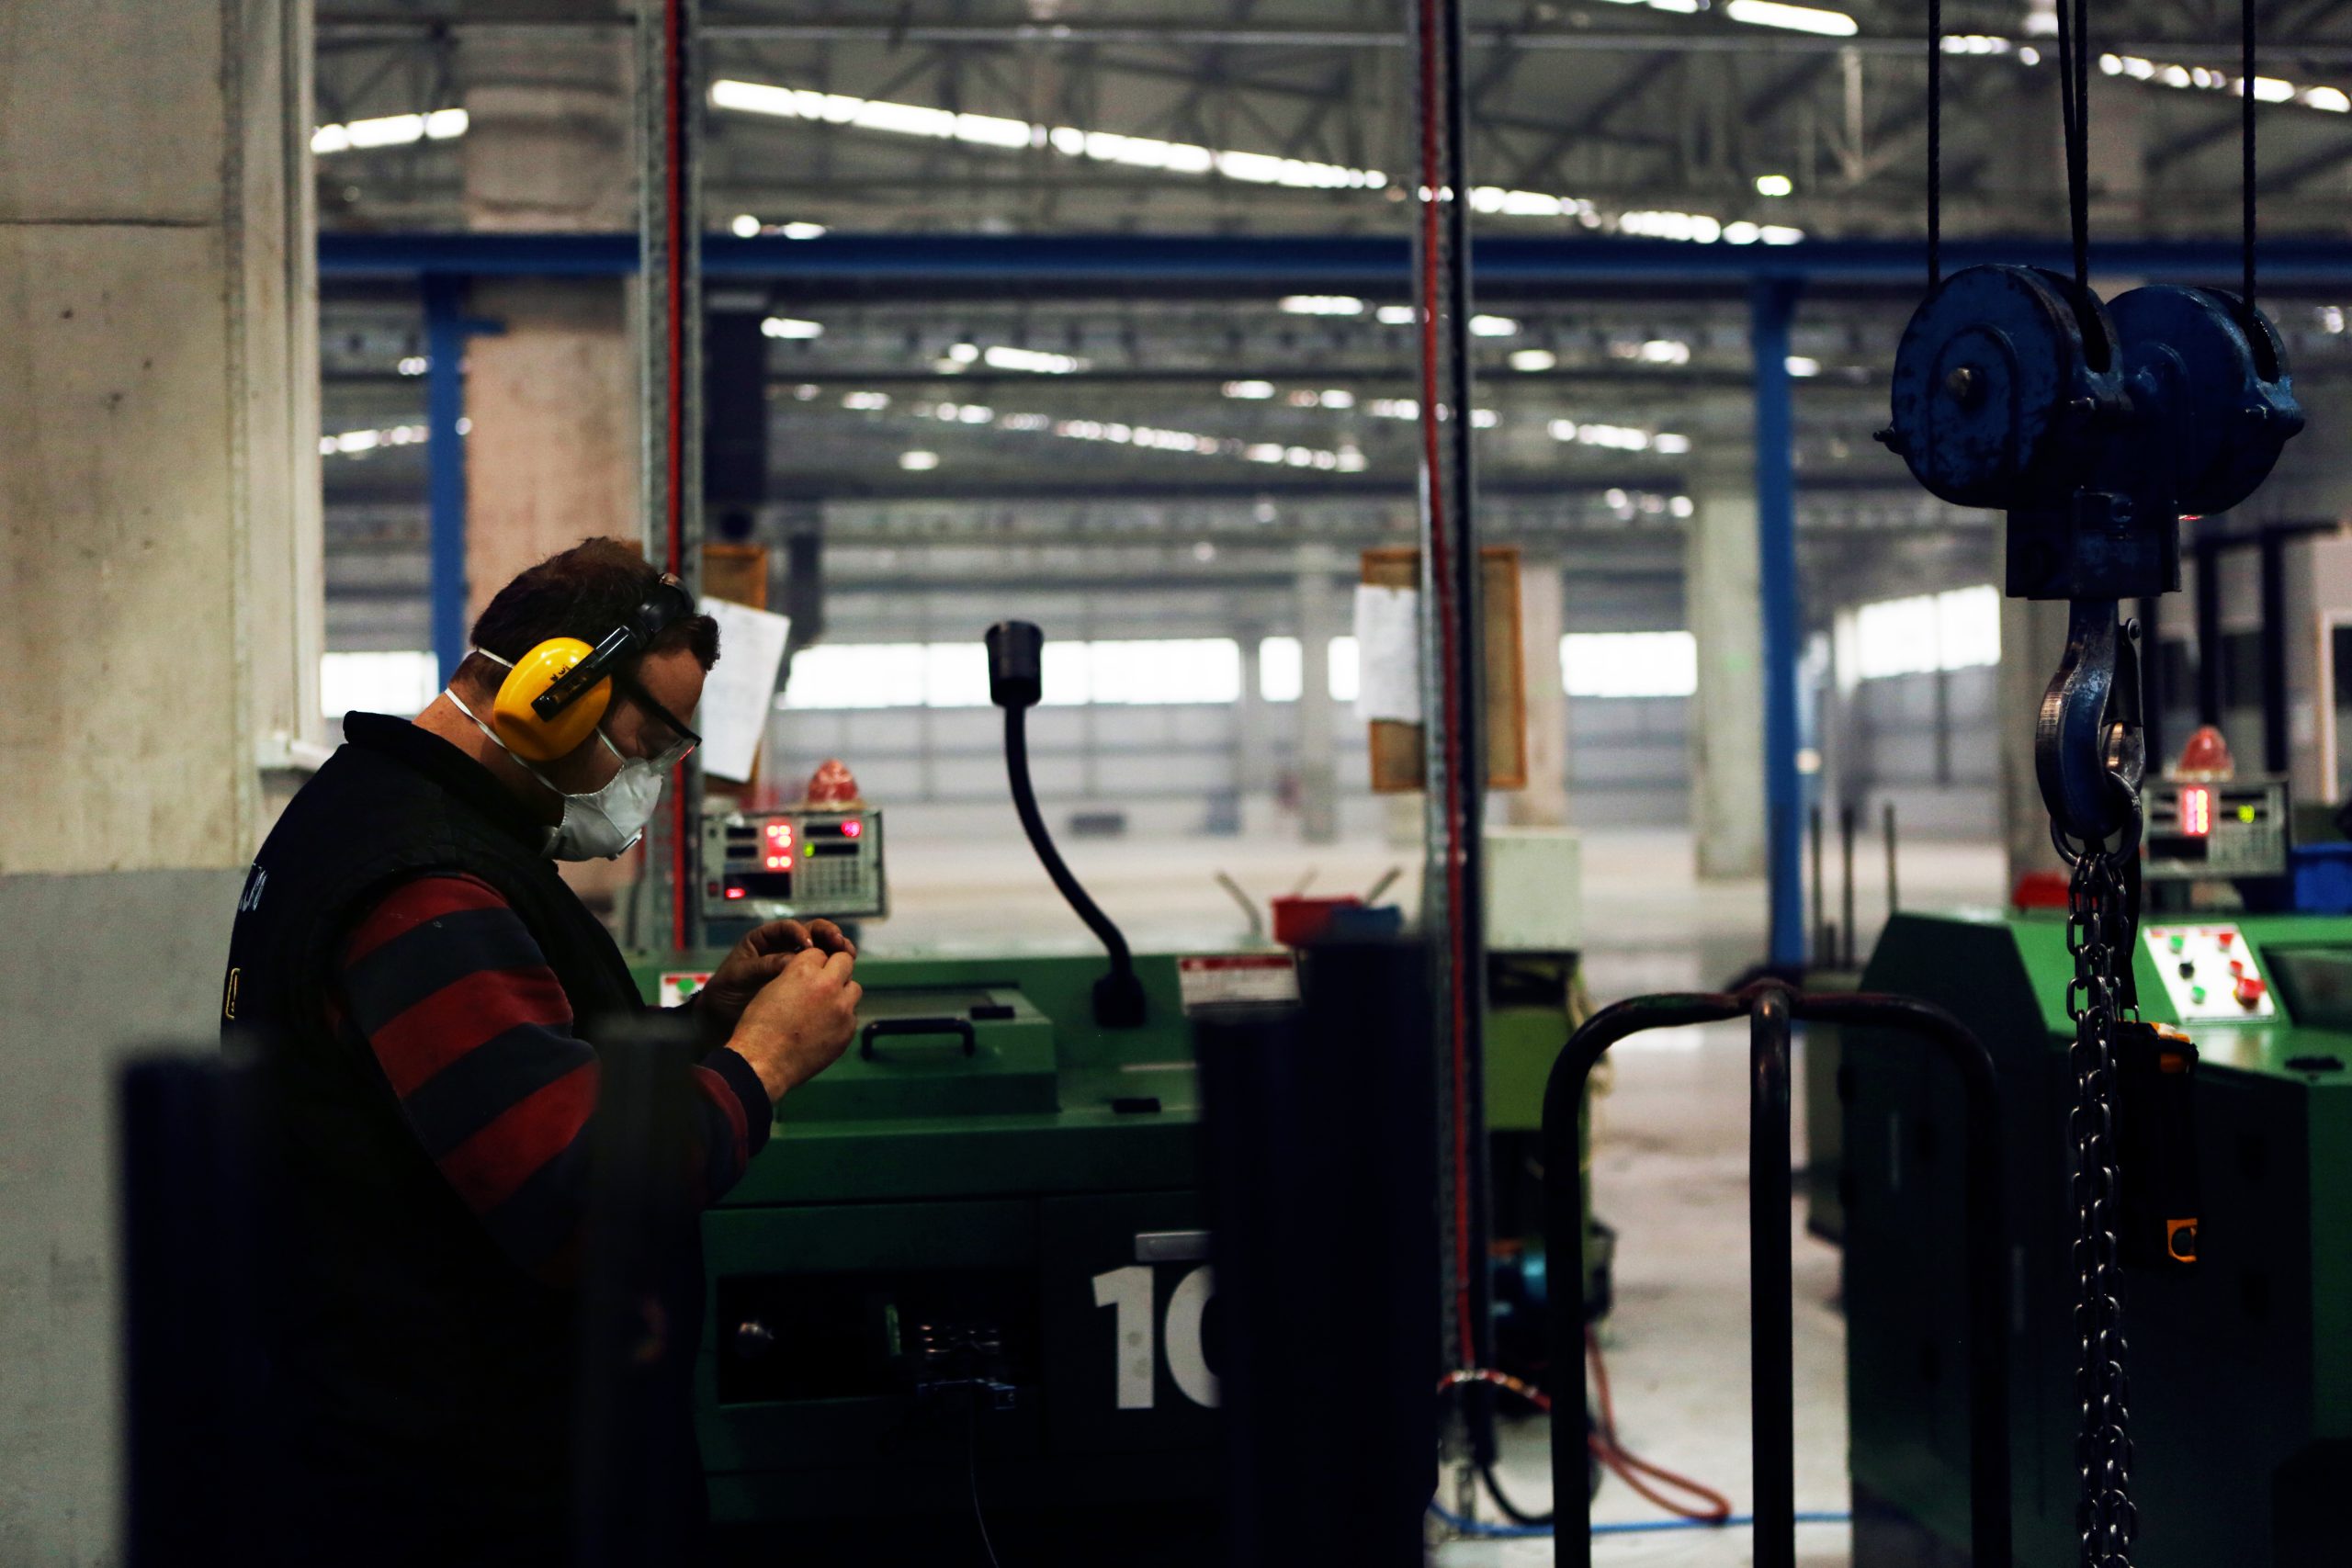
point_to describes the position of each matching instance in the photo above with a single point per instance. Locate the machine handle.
(942, 1025)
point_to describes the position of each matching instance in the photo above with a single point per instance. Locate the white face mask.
(602, 824)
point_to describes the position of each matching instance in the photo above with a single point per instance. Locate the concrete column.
(1318, 622)
(1543, 614)
(1252, 734)
(162, 624)
(2034, 638)
(1723, 605)
(552, 453)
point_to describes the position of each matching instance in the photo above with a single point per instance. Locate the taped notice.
(1388, 652)
(1218, 979)
(740, 689)
(679, 986)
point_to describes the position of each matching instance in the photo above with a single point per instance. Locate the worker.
(420, 993)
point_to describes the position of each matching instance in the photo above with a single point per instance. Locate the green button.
(2179, 943)
(2196, 993)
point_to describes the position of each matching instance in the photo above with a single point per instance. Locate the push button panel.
(2210, 974)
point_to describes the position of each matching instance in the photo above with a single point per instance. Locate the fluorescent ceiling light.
(1791, 18)
(1774, 184)
(791, 327)
(1034, 361)
(1532, 360)
(745, 225)
(918, 461)
(1801, 367)
(389, 130)
(1398, 315)
(1249, 389)
(1071, 141)
(1320, 305)
(1493, 326)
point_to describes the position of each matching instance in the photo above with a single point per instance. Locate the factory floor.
(1670, 1171)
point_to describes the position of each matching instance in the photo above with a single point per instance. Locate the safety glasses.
(670, 738)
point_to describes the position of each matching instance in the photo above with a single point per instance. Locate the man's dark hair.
(584, 592)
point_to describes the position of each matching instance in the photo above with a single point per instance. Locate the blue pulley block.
(2219, 404)
(2001, 373)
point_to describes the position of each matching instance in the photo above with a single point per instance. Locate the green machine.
(989, 1187)
(974, 1258)
(2239, 1361)
(988, 1192)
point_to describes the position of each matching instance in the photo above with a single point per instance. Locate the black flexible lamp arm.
(1017, 680)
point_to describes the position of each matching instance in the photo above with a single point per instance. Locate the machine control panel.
(2210, 974)
(2216, 829)
(793, 865)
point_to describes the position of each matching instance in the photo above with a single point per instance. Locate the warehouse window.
(404, 682)
(955, 674)
(1956, 630)
(1629, 664)
(1282, 669)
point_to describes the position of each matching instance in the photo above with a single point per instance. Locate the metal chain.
(2098, 921)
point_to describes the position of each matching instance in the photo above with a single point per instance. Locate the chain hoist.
(2097, 427)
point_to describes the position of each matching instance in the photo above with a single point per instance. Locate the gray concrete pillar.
(160, 629)
(1319, 620)
(552, 453)
(1543, 614)
(1723, 605)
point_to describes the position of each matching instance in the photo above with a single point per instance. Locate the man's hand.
(801, 1022)
(758, 958)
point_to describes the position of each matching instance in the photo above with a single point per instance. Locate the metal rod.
(2275, 730)
(1886, 829)
(1846, 815)
(1771, 1327)
(1820, 892)
(1564, 1092)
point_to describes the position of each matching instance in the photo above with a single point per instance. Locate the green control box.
(2240, 1364)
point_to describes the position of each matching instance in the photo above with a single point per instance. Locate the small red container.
(1299, 920)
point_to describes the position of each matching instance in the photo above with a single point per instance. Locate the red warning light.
(2197, 811)
(853, 828)
(734, 893)
(778, 862)
(780, 832)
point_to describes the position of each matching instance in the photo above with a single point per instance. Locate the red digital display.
(734, 893)
(778, 862)
(2197, 811)
(780, 832)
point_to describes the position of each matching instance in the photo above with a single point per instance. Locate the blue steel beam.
(447, 327)
(968, 265)
(1771, 306)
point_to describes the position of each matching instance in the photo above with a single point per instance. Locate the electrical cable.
(972, 1475)
(1936, 142)
(1435, 190)
(2246, 80)
(1605, 1446)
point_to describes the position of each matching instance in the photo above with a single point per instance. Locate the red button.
(2227, 937)
(2249, 991)
(2237, 965)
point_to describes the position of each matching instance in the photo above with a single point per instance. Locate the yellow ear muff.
(525, 733)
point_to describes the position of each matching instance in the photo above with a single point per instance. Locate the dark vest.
(421, 1383)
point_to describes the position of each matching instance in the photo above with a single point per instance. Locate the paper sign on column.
(1388, 650)
(740, 692)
